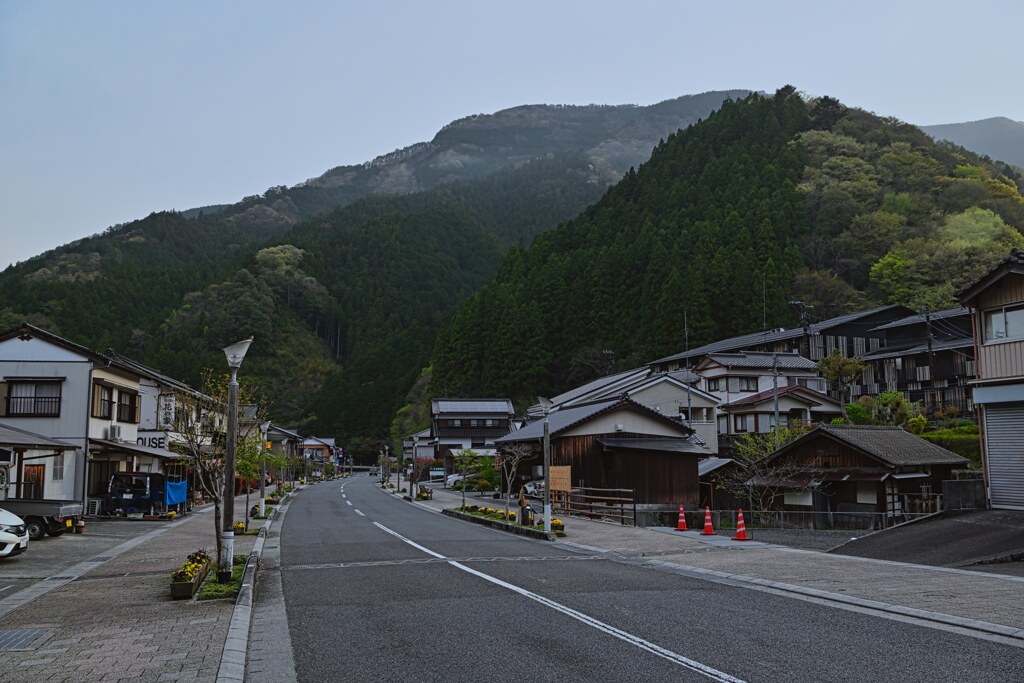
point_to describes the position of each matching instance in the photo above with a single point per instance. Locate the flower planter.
(181, 590)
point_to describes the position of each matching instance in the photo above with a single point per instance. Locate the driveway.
(969, 539)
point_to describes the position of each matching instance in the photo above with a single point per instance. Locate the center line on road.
(344, 496)
(359, 513)
(674, 657)
(348, 502)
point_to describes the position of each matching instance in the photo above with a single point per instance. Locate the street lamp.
(264, 444)
(546, 405)
(234, 353)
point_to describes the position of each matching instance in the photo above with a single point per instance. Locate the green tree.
(841, 370)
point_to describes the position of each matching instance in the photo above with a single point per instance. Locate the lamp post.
(264, 428)
(234, 353)
(545, 405)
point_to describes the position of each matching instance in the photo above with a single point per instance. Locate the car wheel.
(36, 528)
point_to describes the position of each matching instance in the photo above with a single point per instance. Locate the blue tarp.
(175, 492)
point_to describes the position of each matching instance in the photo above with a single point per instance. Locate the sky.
(112, 110)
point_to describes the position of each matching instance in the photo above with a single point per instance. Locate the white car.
(454, 479)
(534, 489)
(13, 534)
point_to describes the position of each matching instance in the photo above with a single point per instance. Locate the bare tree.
(758, 475)
(511, 456)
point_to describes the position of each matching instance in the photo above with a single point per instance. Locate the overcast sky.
(112, 110)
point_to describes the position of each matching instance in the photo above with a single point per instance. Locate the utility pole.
(805, 323)
(931, 354)
(689, 406)
(775, 387)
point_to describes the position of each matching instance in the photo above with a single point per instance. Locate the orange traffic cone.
(741, 529)
(708, 529)
(682, 520)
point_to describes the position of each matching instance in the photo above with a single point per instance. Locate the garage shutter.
(1004, 432)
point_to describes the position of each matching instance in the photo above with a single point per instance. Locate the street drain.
(22, 639)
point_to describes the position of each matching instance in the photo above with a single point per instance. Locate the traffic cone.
(682, 520)
(708, 529)
(741, 529)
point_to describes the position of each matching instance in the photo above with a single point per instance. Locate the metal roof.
(709, 465)
(771, 336)
(937, 345)
(20, 438)
(136, 448)
(679, 445)
(498, 406)
(557, 421)
(921, 318)
(1012, 262)
(597, 384)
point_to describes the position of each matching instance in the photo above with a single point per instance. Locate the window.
(798, 498)
(33, 398)
(474, 423)
(490, 423)
(1004, 323)
(454, 423)
(739, 423)
(715, 384)
(58, 467)
(102, 401)
(127, 406)
(747, 383)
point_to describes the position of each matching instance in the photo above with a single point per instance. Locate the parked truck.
(134, 492)
(43, 517)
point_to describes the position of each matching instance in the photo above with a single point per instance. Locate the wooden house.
(621, 444)
(997, 303)
(864, 469)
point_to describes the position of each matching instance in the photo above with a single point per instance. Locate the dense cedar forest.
(372, 288)
(771, 199)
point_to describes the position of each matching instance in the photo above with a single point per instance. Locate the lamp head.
(236, 352)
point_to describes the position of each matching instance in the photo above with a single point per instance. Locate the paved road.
(379, 590)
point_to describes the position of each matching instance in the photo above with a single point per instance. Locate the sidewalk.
(975, 601)
(117, 621)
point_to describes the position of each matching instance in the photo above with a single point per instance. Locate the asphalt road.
(377, 589)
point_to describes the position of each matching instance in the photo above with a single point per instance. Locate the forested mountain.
(768, 200)
(999, 137)
(344, 279)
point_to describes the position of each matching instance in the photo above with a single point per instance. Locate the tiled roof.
(891, 445)
(763, 360)
(566, 418)
(799, 393)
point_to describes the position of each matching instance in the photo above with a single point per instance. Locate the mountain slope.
(999, 137)
(770, 199)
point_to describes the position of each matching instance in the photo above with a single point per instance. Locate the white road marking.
(344, 496)
(348, 502)
(359, 513)
(675, 658)
(5, 588)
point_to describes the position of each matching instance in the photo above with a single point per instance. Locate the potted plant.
(185, 581)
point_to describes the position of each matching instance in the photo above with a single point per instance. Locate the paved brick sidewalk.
(118, 621)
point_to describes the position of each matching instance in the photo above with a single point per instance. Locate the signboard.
(165, 411)
(561, 475)
(437, 471)
(152, 439)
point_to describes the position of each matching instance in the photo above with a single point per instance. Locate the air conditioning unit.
(619, 428)
(94, 507)
(114, 433)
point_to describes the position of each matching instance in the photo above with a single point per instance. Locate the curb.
(502, 526)
(232, 660)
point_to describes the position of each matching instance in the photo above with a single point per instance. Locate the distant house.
(745, 382)
(621, 444)
(885, 471)
(675, 394)
(468, 423)
(997, 303)
(927, 357)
